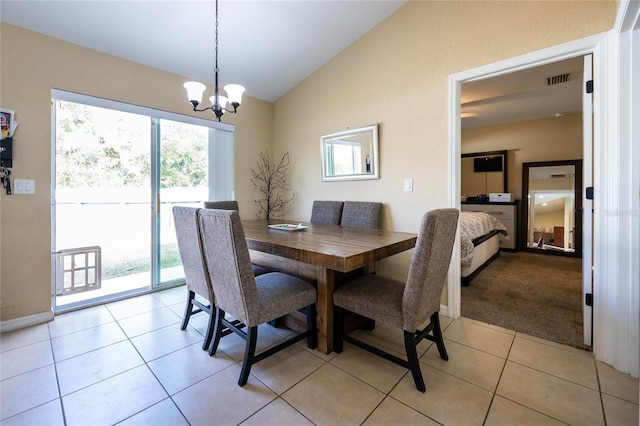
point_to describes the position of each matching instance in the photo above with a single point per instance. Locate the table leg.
(326, 284)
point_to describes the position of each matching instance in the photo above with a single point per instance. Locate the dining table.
(324, 255)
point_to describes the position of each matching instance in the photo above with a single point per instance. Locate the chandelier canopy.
(218, 101)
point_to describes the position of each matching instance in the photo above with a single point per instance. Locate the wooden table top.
(333, 247)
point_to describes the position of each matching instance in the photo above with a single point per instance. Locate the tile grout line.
(388, 394)
(128, 339)
(540, 371)
(495, 391)
(324, 363)
(55, 369)
(558, 377)
(146, 363)
(604, 413)
(55, 363)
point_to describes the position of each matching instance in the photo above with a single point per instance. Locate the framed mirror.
(552, 218)
(351, 154)
(483, 173)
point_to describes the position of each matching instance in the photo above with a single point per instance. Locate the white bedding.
(474, 225)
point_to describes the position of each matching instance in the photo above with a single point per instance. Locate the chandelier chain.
(218, 102)
(216, 69)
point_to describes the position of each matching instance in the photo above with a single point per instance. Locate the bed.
(479, 242)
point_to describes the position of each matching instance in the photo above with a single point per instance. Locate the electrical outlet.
(408, 185)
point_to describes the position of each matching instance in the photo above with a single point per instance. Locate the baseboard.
(444, 310)
(22, 322)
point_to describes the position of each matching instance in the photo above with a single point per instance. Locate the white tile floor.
(129, 363)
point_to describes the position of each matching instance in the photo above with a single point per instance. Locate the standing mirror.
(351, 154)
(552, 219)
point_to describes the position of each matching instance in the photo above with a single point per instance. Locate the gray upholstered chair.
(405, 305)
(232, 205)
(329, 212)
(195, 271)
(360, 214)
(222, 205)
(252, 300)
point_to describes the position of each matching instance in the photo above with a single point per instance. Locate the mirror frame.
(372, 129)
(502, 153)
(524, 211)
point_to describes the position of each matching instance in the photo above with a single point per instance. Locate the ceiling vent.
(557, 175)
(557, 79)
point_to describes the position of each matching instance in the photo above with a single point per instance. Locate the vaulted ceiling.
(271, 46)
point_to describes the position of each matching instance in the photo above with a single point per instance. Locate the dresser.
(507, 213)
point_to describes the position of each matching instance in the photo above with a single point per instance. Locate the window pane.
(119, 170)
(184, 178)
(103, 193)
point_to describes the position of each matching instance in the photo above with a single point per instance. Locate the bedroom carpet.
(536, 294)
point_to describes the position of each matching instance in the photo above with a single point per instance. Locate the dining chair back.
(222, 205)
(361, 214)
(195, 270)
(406, 305)
(250, 299)
(329, 212)
(232, 205)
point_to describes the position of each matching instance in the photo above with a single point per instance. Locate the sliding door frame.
(220, 180)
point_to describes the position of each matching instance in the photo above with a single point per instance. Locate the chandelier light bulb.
(194, 92)
(234, 91)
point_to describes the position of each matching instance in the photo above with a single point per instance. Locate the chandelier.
(218, 102)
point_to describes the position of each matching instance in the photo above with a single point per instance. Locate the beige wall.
(549, 220)
(397, 76)
(548, 139)
(31, 66)
(473, 183)
(551, 184)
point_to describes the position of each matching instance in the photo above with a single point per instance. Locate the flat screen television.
(487, 164)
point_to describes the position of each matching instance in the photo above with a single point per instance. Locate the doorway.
(550, 56)
(548, 128)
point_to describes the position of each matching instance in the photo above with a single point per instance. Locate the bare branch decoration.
(271, 181)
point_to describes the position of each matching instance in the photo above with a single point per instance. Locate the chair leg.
(369, 324)
(249, 352)
(414, 364)
(312, 340)
(338, 329)
(437, 336)
(187, 310)
(217, 329)
(211, 326)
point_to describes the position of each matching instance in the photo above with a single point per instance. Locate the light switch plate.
(408, 185)
(24, 186)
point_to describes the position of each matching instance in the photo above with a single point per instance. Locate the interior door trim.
(595, 44)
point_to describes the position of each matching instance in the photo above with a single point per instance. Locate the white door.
(587, 203)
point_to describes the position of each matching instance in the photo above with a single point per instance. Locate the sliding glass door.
(118, 175)
(182, 179)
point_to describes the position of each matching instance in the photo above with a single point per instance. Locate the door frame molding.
(617, 229)
(600, 47)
